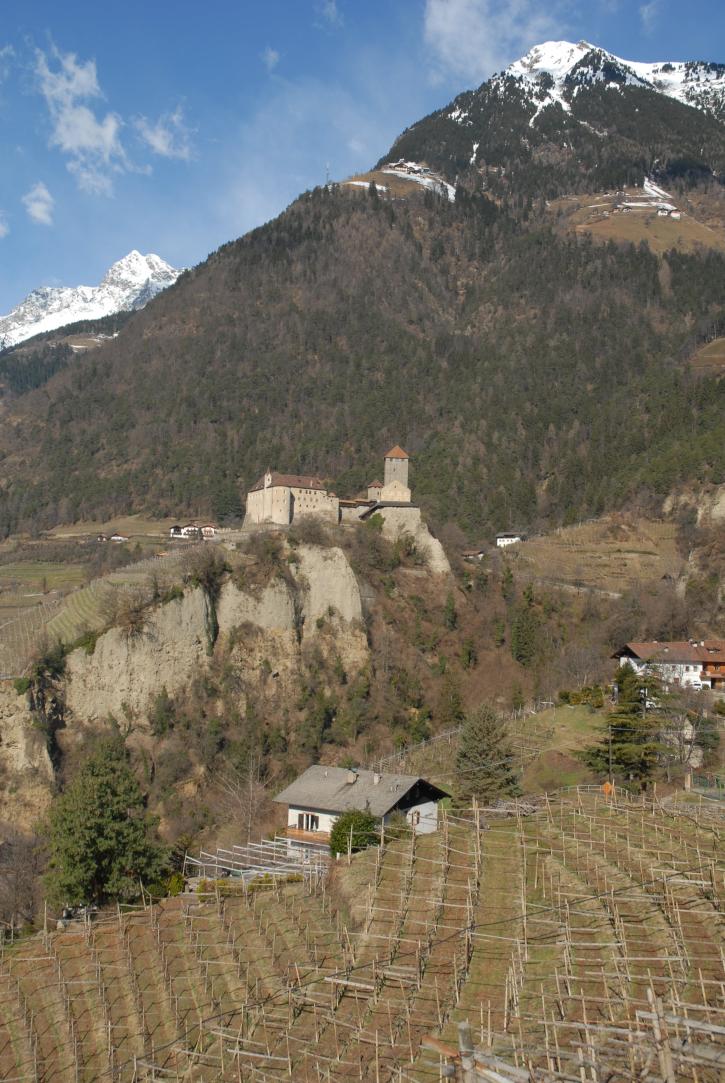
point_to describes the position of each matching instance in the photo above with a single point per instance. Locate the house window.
(308, 821)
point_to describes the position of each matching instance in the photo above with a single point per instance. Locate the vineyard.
(82, 610)
(581, 937)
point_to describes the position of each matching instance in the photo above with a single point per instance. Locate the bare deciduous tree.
(21, 863)
(243, 794)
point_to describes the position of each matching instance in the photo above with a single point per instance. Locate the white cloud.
(91, 143)
(270, 58)
(471, 39)
(39, 204)
(329, 11)
(169, 136)
(649, 14)
(4, 227)
(7, 56)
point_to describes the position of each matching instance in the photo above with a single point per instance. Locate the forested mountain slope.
(530, 376)
(534, 377)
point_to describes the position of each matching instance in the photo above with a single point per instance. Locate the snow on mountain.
(421, 174)
(560, 68)
(555, 72)
(130, 283)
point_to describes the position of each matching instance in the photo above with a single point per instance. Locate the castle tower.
(395, 480)
(396, 466)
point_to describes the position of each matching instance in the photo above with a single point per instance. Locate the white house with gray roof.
(316, 799)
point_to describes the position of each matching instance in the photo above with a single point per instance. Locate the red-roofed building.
(687, 663)
(395, 485)
(280, 498)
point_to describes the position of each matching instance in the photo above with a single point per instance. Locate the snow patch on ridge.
(555, 71)
(421, 174)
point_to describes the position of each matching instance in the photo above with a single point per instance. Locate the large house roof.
(674, 651)
(290, 481)
(397, 453)
(329, 789)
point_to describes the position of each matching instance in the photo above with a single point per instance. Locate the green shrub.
(87, 641)
(175, 884)
(355, 830)
(21, 685)
(172, 593)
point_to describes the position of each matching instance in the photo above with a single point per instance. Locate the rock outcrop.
(408, 520)
(265, 629)
(125, 670)
(26, 773)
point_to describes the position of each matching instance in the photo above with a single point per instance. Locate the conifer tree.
(485, 761)
(630, 744)
(101, 840)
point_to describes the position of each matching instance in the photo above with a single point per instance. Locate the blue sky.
(174, 127)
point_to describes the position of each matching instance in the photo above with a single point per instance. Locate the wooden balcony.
(322, 838)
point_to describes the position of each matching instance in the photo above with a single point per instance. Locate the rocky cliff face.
(399, 521)
(124, 670)
(26, 773)
(267, 632)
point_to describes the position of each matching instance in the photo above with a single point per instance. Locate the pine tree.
(450, 616)
(485, 762)
(630, 744)
(101, 840)
(525, 635)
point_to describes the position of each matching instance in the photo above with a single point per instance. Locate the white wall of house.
(508, 540)
(423, 817)
(685, 674)
(324, 823)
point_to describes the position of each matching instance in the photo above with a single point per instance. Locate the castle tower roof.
(397, 453)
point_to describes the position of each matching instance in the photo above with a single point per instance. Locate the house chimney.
(376, 779)
(351, 776)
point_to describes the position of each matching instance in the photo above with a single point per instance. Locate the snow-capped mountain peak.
(560, 67)
(129, 283)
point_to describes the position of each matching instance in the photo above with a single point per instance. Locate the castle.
(284, 498)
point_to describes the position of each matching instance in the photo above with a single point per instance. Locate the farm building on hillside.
(321, 794)
(688, 663)
(509, 537)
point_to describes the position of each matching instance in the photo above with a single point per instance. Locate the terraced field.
(65, 618)
(609, 556)
(583, 940)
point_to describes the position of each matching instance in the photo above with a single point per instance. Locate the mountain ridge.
(129, 283)
(536, 376)
(568, 117)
